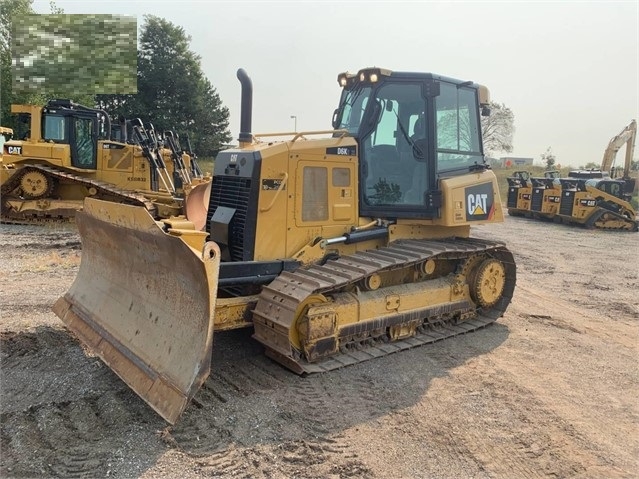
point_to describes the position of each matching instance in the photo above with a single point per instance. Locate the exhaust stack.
(246, 108)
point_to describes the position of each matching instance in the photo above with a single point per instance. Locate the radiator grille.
(232, 192)
(567, 200)
(512, 197)
(537, 199)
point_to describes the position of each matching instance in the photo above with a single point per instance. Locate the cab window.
(458, 139)
(54, 128)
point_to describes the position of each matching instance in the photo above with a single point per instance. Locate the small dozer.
(519, 194)
(337, 246)
(588, 199)
(546, 195)
(597, 203)
(66, 152)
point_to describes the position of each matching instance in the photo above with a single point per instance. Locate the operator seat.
(415, 195)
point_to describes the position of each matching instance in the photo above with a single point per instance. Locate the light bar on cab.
(345, 79)
(366, 75)
(372, 75)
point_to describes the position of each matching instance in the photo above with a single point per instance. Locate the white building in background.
(511, 162)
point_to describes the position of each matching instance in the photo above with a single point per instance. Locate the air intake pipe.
(246, 108)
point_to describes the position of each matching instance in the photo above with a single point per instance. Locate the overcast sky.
(568, 70)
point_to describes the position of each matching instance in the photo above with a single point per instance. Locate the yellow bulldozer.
(337, 246)
(67, 152)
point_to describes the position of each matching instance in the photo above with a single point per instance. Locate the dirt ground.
(550, 390)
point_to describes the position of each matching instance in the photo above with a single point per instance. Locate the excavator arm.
(627, 136)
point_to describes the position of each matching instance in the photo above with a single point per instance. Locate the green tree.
(173, 92)
(498, 129)
(549, 159)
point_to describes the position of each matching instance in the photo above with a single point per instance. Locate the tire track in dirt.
(255, 419)
(74, 439)
(532, 446)
(66, 435)
(63, 414)
(535, 442)
(36, 369)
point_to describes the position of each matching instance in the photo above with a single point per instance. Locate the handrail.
(277, 193)
(302, 133)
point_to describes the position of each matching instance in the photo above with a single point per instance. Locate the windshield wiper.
(417, 151)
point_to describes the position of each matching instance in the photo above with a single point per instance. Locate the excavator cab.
(80, 127)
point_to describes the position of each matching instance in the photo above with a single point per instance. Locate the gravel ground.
(550, 390)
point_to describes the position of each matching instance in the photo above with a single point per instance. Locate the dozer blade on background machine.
(143, 301)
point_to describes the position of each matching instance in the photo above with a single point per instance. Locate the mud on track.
(548, 391)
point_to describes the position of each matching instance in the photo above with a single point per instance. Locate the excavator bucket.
(143, 301)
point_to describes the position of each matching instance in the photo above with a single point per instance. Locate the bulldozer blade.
(143, 301)
(196, 205)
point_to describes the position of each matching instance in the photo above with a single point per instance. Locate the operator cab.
(612, 187)
(78, 126)
(412, 129)
(5, 135)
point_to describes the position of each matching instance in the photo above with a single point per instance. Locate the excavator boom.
(627, 136)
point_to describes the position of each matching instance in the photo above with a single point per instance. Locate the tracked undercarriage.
(374, 303)
(608, 220)
(42, 194)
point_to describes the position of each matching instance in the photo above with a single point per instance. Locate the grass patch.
(206, 165)
(53, 260)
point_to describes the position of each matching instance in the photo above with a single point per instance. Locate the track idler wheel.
(487, 281)
(35, 184)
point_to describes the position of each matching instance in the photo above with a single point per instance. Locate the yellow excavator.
(337, 246)
(66, 152)
(626, 137)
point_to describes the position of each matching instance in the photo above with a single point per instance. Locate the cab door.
(84, 142)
